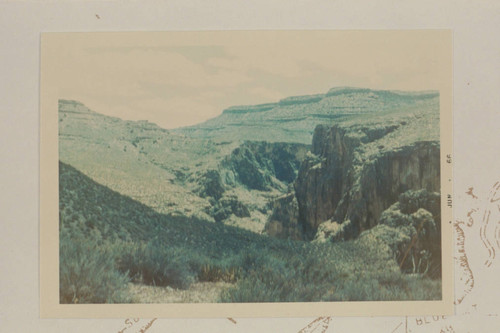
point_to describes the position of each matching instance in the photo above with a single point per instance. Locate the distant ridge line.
(315, 98)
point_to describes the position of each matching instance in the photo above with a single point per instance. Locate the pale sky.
(182, 78)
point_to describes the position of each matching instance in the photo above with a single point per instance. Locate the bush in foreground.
(348, 271)
(155, 263)
(87, 272)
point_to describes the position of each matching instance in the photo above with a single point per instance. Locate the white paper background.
(476, 161)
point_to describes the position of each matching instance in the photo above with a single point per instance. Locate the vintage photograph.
(250, 167)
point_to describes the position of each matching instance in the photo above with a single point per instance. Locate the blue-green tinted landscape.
(326, 197)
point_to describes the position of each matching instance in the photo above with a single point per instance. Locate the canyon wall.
(354, 173)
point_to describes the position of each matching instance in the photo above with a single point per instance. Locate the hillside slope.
(108, 239)
(230, 182)
(230, 169)
(349, 213)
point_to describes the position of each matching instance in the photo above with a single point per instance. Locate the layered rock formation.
(293, 119)
(357, 170)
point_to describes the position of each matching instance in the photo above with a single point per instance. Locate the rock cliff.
(263, 165)
(283, 222)
(357, 170)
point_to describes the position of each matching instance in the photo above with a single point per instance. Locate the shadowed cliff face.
(283, 222)
(264, 165)
(383, 180)
(356, 172)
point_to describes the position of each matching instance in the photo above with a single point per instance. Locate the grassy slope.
(156, 167)
(165, 250)
(138, 159)
(162, 168)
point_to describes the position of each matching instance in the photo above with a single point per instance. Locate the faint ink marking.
(98, 17)
(232, 320)
(494, 191)
(129, 322)
(326, 324)
(473, 310)
(447, 329)
(471, 192)
(492, 207)
(147, 326)
(318, 323)
(422, 321)
(485, 240)
(490, 216)
(466, 277)
(394, 330)
(470, 219)
(311, 324)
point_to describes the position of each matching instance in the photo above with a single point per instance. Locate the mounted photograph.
(246, 174)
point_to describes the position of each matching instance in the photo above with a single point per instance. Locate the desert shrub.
(87, 271)
(215, 273)
(281, 276)
(155, 263)
(414, 238)
(348, 271)
(158, 249)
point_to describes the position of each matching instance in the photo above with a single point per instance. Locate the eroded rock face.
(211, 185)
(383, 180)
(227, 205)
(283, 222)
(356, 172)
(262, 165)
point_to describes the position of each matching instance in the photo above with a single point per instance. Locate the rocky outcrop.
(242, 109)
(305, 99)
(283, 222)
(356, 172)
(263, 165)
(226, 206)
(211, 185)
(233, 188)
(346, 90)
(247, 169)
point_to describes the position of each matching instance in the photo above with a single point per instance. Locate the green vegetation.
(88, 272)
(108, 239)
(147, 206)
(158, 264)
